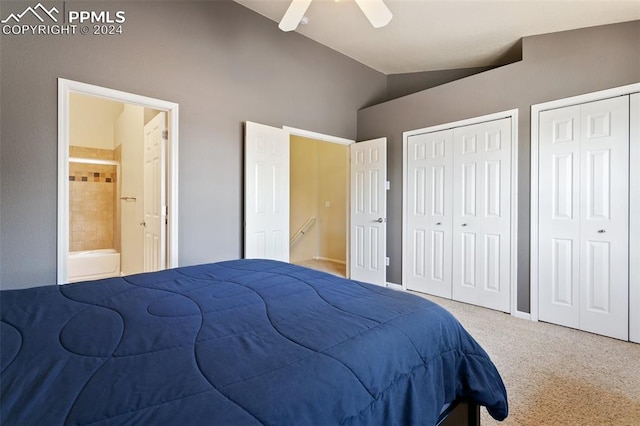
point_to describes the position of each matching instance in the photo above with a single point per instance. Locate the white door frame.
(513, 115)
(65, 88)
(535, 141)
(341, 141)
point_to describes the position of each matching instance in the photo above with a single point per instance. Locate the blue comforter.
(235, 343)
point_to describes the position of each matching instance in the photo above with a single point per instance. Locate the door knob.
(380, 220)
(438, 223)
(464, 224)
(601, 231)
(143, 223)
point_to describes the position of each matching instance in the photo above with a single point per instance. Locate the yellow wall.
(92, 121)
(318, 189)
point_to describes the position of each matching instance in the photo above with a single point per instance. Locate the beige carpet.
(556, 375)
(334, 268)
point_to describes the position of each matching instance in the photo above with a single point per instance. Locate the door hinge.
(388, 185)
(165, 134)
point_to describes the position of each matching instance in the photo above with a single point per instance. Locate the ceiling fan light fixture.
(375, 10)
(294, 15)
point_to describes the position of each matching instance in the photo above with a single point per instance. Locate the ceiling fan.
(375, 10)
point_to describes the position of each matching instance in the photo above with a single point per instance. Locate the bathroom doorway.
(110, 180)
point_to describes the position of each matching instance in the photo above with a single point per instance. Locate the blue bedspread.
(234, 343)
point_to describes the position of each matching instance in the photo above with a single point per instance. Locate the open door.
(266, 192)
(155, 203)
(368, 248)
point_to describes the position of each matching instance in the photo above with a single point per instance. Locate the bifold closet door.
(482, 214)
(584, 216)
(429, 213)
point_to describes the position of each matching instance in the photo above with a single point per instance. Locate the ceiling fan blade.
(376, 11)
(293, 15)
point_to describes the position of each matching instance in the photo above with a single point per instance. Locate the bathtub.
(93, 264)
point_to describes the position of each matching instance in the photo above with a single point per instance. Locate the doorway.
(266, 199)
(318, 204)
(105, 189)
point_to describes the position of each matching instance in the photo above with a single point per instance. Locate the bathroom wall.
(91, 190)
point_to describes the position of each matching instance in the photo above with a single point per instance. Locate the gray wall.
(223, 64)
(399, 85)
(554, 66)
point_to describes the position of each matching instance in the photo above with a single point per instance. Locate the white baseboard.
(341, 262)
(394, 286)
(522, 315)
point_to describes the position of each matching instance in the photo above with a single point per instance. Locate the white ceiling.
(428, 35)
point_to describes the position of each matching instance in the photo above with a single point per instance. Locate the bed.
(242, 342)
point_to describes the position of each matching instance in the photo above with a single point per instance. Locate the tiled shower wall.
(92, 192)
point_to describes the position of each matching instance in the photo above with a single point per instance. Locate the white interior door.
(155, 205)
(266, 192)
(368, 211)
(559, 218)
(634, 224)
(429, 214)
(604, 217)
(482, 214)
(584, 216)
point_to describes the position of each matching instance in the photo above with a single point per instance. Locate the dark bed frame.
(461, 413)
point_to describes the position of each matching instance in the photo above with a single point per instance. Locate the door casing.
(333, 139)
(65, 88)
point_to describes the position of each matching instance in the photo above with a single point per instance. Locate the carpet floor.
(556, 375)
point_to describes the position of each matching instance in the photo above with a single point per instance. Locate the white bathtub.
(93, 264)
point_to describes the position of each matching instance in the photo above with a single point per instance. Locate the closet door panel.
(481, 214)
(558, 212)
(429, 187)
(634, 223)
(604, 217)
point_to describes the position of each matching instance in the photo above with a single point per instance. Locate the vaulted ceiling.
(428, 35)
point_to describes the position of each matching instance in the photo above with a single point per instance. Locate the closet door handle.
(464, 224)
(438, 223)
(601, 231)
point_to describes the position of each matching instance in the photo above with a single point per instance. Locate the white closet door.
(429, 213)
(604, 217)
(482, 214)
(559, 220)
(583, 216)
(634, 224)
